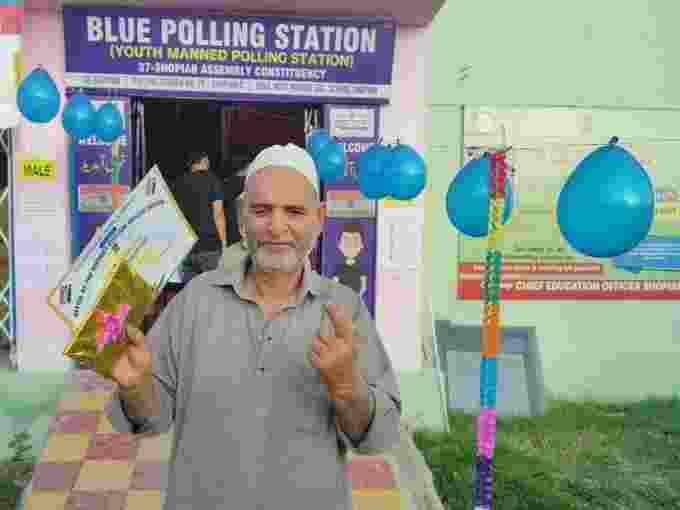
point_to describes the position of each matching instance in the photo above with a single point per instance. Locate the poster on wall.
(348, 257)
(349, 240)
(101, 178)
(11, 17)
(538, 262)
(166, 52)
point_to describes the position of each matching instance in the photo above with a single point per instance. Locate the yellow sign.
(38, 170)
(393, 202)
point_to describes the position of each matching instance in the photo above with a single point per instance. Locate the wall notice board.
(547, 145)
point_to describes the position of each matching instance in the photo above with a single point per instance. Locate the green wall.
(620, 55)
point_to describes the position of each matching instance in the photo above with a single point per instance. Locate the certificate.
(148, 230)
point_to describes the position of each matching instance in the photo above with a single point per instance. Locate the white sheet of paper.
(401, 233)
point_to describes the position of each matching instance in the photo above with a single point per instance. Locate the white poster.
(401, 237)
(352, 122)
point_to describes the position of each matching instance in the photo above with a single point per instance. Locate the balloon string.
(486, 421)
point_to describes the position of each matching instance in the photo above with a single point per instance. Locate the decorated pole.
(486, 422)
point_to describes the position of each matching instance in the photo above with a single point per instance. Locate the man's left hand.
(331, 354)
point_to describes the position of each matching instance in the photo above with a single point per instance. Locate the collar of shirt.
(311, 280)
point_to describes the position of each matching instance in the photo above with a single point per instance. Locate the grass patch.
(588, 455)
(16, 471)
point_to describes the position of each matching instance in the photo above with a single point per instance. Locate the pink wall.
(41, 210)
(399, 310)
(39, 265)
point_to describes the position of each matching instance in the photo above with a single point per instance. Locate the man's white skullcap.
(289, 156)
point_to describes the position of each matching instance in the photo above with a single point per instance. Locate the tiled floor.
(86, 465)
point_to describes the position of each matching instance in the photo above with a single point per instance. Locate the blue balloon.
(316, 141)
(371, 166)
(78, 117)
(38, 97)
(407, 173)
(109, 123)
(330, 162)
(606, 206)
(467, 200)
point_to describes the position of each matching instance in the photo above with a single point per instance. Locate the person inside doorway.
(200, 196)
(350, 245)
(269, 372)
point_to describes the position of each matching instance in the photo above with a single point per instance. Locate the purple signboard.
(101, 176)
(349, 245)
(166, 52)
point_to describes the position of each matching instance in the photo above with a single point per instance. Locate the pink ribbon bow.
(110, 326)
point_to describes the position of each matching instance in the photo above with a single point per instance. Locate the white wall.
(41, 244)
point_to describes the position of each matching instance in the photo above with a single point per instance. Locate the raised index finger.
(341, 322)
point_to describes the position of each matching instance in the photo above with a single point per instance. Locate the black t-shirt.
(232, 189)
(195, 193)
(350, 275)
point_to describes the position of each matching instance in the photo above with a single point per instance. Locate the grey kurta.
(254, 428)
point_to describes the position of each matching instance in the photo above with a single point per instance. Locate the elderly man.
(255, 366)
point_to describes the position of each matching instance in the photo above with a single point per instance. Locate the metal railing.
(7, 312)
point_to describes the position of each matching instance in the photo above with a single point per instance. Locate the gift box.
(124, 299)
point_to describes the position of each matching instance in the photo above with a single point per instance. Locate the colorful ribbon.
(484, 471)
(486, 421)
(110, 325)
(486, 432)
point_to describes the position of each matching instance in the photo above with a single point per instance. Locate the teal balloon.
(331, 162)
(371, 166)
(467, 200)
(316, 141)
(109, 123)
(78, 117)
(606, 207)
(38, 97)
(407, 173)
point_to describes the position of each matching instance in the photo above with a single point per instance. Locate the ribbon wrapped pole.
(486, 422)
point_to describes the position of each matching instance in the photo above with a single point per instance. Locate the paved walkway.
(86, 465)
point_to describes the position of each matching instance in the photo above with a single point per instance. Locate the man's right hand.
(133, 367)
